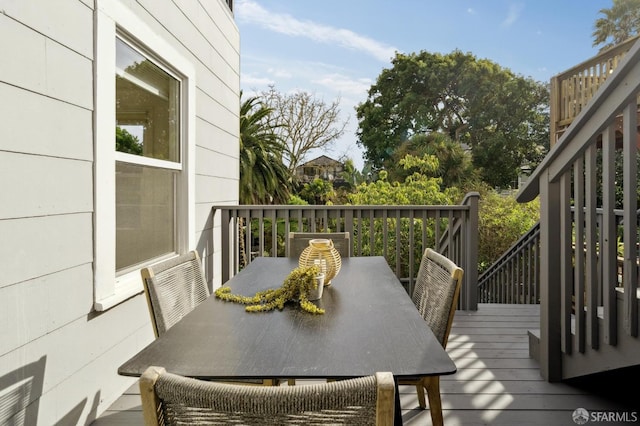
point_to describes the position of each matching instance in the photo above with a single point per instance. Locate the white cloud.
(280, 73)
(515, 10)
(344, 85)
(471, 11)
(250, 11)
(256, 81)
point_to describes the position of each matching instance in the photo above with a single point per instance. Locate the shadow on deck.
(497, 382)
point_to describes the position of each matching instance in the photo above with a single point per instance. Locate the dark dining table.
(370, 324)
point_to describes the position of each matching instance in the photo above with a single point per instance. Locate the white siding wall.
(50, 337)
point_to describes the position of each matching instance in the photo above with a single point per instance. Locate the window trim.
(114, 19)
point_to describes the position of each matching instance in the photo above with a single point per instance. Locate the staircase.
(588, 305)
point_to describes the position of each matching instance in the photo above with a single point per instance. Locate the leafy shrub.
(502, 221)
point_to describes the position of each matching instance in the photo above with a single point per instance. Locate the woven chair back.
(181, 400)
(298, 241)
(436, 292)
(173, 288)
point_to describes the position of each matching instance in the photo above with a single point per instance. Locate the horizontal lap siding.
(49, 332)
(33, 307)
(46, 289)
(210, 136)
(44, 66)
(33, 247)
(35, 124)
(44, 186)
(46, 205)
(69, 23)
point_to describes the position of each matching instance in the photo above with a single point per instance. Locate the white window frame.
(112, 19)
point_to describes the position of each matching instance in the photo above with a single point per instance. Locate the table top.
(370, 325)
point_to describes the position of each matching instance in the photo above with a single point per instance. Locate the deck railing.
(514, 277)
(399, 233)
(588, 323)
(572, 90)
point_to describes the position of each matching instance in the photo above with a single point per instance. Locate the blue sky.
(335, 49)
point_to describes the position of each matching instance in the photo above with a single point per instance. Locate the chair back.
(298, 241)
(436, 292)
(173, 288)
(172, 399)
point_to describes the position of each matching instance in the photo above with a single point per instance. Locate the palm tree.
(264, 179)
(619, 23)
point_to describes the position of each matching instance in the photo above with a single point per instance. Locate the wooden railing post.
(225, 240)
(550, 272)
(470, 291)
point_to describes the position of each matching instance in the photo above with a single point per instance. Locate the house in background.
(80, 214)
(322, 167)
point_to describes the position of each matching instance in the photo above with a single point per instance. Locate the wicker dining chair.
(173, 288)
(169, 399)
(436, 294)
(298, 241)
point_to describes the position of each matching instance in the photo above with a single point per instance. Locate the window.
(144, 149)
(147, 129)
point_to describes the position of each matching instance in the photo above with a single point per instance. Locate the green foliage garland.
(295, 287)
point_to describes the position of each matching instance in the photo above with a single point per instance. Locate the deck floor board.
(497, 383)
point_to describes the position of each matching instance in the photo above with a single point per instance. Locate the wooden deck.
(497, 383)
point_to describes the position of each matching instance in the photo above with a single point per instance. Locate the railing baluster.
(385, 234)
(372, 230)
(360, 240)
(579, 255)
(274, 232)
(592, 278)
(566, 259)
(449, 234)
(398, 243)
(411, 251)
(610, 244)
(630, 176)
(251, 227)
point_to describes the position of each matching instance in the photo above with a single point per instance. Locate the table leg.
(397, 412)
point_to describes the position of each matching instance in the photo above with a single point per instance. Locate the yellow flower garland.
(295, 287)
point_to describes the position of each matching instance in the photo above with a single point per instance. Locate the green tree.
(126, 142)
(502, 117)
(264, 179)
(619, 23)
(317, 192)
(350, 174)
(455, 166)
(420, 188)
(303, 122)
